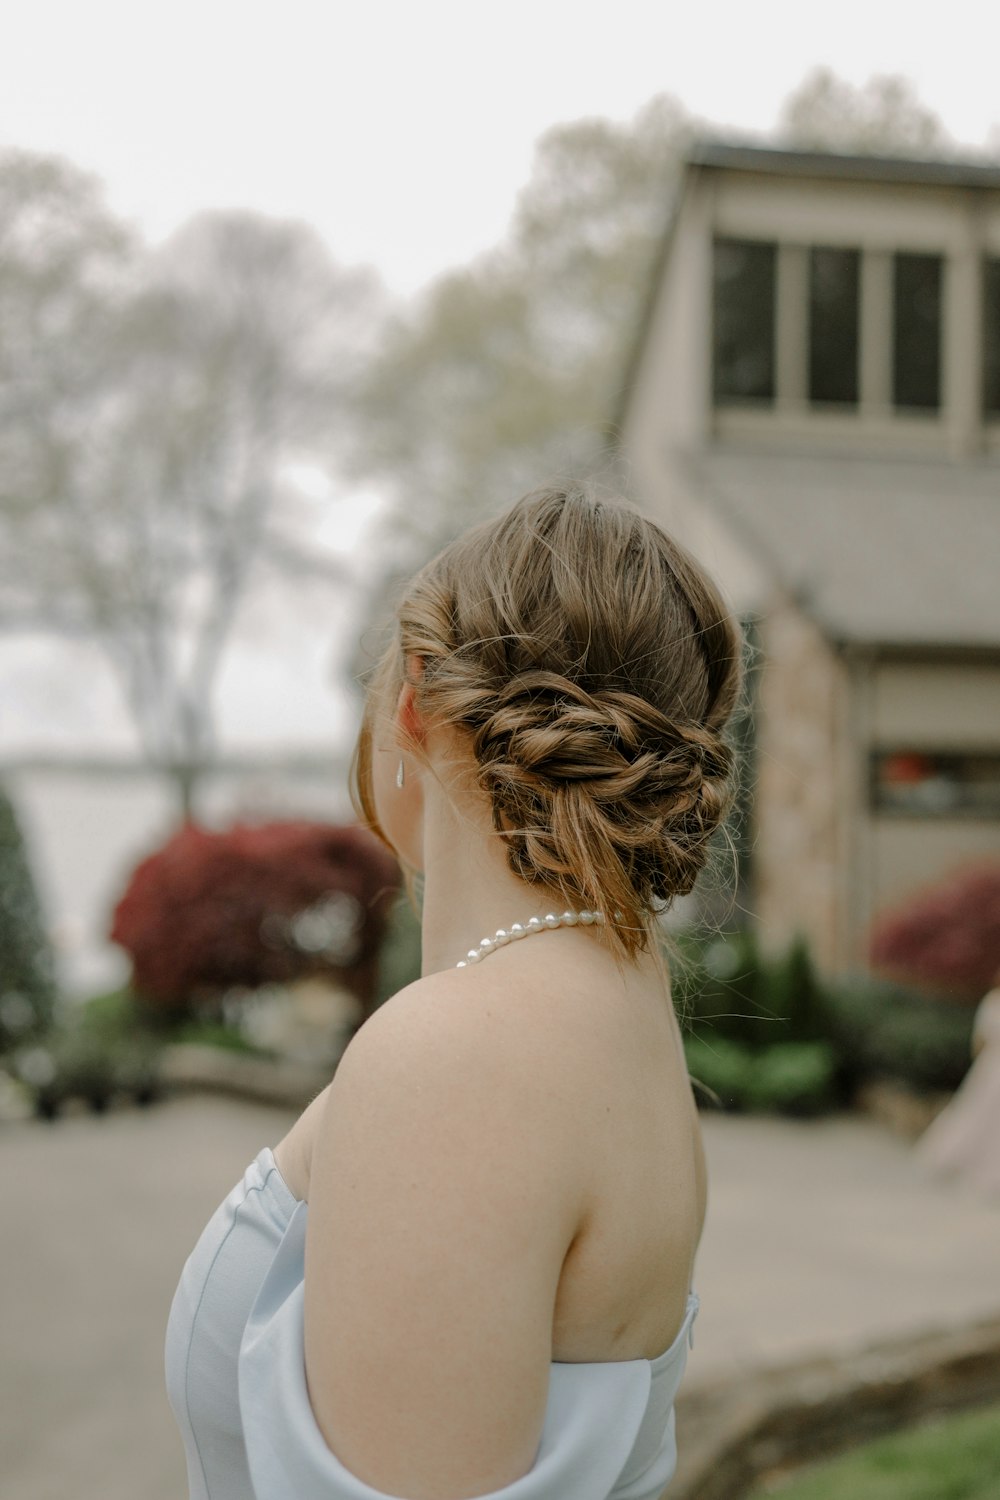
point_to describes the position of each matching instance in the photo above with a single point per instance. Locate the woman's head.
(588, 666)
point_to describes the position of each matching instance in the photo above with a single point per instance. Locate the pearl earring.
(399, 773)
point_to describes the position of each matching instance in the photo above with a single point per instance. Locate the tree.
(507, 370)
(883, 117)
(237, 355)
(28, 986)
(65, 263)
(152, 491)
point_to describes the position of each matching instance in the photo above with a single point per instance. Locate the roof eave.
(781, 161)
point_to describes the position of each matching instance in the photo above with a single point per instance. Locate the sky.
(403, 131)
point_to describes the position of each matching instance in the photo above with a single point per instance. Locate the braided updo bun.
(593, 667)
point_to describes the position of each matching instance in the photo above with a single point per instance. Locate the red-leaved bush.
(947, 938)
(252, 905)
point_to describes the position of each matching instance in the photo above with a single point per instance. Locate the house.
(813, 408)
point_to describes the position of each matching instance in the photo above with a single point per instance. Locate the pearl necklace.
(505, 935)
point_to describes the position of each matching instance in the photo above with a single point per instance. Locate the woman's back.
(616, 1044)
(606, 1049)
(236, 1379)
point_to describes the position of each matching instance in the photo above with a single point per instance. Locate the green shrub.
(76, 1062)
(797, 1078)
(882, 1029)
(790, 988)
(715, 982)
(94, 1050)
(793, 1078)
(114, 1015)
(720, 1065)
(741, 1004)
(725, 987)
(27, 962)
(126, 1025)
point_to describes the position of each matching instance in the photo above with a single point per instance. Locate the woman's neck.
(469, 888)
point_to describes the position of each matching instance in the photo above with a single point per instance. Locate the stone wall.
(806, 797)
(733, 1434)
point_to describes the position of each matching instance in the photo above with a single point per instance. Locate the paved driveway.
(820, 1236)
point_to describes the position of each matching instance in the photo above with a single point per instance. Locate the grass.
(954, 1457)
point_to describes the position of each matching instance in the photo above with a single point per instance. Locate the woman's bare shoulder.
(452, 1006)
(450, 1019)
(433, 1021)
(439, 1222)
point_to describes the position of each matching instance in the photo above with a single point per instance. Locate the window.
(743, 359)
(949, 785)
(916, 364)
(991, 338)
(834, 287)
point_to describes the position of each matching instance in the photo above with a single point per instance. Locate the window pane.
(743, 320)
(834, 282)
(916, 374)
(925, 784)
(991, 337)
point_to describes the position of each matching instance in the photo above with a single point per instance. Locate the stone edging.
(733, 1433)
(898, 1107)
(186, 1067)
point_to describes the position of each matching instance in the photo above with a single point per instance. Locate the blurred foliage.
(793, 1078)
(109, 1047)
(883, 116)
(508, 370)
(886, 1030)
(152, 406)
(765, 1031)
(28, 990)
(213, 910)
(946, 938)
(755, 1027)
(94, 1051)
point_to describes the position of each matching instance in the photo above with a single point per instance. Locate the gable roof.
(886, 551)
(844, 166)
(881, 552)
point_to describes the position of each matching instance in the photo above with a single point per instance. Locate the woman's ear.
(408, 716)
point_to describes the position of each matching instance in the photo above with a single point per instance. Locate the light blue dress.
(236, 1382)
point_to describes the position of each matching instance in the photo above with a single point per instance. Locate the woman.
(466, 1270)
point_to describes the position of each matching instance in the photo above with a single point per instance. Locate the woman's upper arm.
(439, 1218)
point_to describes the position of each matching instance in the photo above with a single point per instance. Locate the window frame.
(940, 762)
(875, 417)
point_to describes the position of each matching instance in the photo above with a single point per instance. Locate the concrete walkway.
(821, 1237)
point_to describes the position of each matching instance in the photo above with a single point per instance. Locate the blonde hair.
(591, 665)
